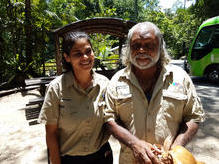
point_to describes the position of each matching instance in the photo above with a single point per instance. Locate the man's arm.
(142, 150)
(186, 132)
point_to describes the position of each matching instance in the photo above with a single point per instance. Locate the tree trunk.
(28, 29)
(136, 9)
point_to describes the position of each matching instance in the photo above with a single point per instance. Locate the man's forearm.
(141, 149)
(122, 134)
(186, 133)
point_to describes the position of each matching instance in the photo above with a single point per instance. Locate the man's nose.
(141, 48)
(85, 55)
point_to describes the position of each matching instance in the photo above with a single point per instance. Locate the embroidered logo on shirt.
(175, 86)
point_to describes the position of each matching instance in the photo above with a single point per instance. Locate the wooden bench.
(40, 82)
(33, 107)
(32, 110)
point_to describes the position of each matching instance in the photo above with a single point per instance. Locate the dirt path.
(19, 142)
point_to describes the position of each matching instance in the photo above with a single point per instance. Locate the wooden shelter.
(113, 26)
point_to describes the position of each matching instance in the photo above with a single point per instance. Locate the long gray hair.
(164, 57)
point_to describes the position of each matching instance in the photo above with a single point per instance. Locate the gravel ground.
(24, 144)
(19, 142)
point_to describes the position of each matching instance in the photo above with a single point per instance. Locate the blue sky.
(165, 4)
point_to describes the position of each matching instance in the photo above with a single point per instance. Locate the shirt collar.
(165, 72)
(95, 80)
(69, 78)
(71, 81)
(129, 75)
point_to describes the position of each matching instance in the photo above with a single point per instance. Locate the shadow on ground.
(206, 143)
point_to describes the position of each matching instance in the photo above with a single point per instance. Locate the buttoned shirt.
(77, 112)
(174, 99)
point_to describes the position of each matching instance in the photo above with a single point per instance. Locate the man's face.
(145, 49)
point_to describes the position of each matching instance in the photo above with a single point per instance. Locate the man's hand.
(143, 152)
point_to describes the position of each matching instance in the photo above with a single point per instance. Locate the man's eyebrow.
(140, 40)
(136, 40)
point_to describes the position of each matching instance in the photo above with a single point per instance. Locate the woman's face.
(81, 56)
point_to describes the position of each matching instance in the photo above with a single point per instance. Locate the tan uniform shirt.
(174, 100)
(78, 113)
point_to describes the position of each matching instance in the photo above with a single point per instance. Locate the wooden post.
(58, 56)
(120, 46)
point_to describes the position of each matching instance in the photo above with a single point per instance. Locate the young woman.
(73, 108)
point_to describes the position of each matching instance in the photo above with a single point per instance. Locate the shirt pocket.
(67, 107)
(125, 109)
(173, 104)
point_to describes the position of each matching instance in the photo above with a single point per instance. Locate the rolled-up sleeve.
(110, 113)
(193, 110)
(50, 109)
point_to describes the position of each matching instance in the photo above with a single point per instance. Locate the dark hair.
(68, 42)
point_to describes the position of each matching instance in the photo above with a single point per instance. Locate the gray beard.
(152, 62)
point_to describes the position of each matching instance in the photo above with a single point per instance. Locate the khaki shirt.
(78, 113)
(174, 100)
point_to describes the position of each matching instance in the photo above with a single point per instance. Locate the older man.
(150, 101)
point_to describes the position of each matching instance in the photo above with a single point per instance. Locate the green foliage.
(12, 35)
(102, 45)
(178, 26)
(204, 9)
(127, 9)
(65, 10)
